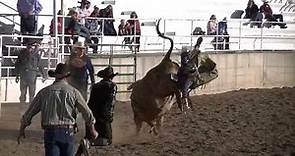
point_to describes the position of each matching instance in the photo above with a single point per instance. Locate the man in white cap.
(81, 69)
(58, 104)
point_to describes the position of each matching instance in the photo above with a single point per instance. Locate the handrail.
(9, 6)
(15, 23)
(11, 20)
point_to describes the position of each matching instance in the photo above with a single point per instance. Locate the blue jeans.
(59, 142)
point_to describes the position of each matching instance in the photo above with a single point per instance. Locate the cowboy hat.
(79, 45)
(108, 72)
(60, 72)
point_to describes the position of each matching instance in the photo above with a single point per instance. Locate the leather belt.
(57, 126)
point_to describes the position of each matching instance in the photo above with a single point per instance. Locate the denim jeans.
(28, 24)
(59, 142)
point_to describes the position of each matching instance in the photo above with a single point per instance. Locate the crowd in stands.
(89, 23)
(264, 12)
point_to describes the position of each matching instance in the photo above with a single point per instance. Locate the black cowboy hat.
(108, 72)
(60, 72)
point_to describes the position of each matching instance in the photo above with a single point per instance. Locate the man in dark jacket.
(101, 103)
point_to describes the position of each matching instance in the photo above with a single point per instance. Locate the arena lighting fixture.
(108, 2)
(151, 23)
(126, 12)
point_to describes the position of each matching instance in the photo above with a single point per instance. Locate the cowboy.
(81, 69)
(187, 71)
(102, 102)
(27, 67)
(58, 104)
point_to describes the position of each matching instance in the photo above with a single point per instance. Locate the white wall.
(249, 69)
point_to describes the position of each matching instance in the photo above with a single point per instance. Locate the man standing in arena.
(58, 104)
(81, 69)
(102, 103)
(27, 67)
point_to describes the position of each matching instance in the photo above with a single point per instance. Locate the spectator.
(81, 69)
(212, 30)
(94, 28)
(222, 30)
(269, 16)
(212, 25)
(102, 103)
(74, 28)
(252, 12)
(108, 24)
(27, 67)
(28, 11)
(59, 24)
(123, 30)
(84, 11)
(133, 28)
(58, 104)
(69, 30)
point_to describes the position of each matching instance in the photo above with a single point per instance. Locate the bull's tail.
(199, 41)
(167, 56)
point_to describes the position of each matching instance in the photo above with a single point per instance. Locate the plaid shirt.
(58, 104)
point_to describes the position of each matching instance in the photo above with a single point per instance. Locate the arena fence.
(244, 42)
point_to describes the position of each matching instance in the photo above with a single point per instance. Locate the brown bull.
(152, 96)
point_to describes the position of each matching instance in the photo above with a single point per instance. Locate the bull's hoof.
(154, 131)
(180, 106)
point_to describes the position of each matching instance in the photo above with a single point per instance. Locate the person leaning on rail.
(58, 104)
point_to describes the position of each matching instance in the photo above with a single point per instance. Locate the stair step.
(125, 74)
(114, 65)
(124, 91)
(122, 83)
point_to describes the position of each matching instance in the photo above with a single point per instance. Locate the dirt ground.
(237, 123)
